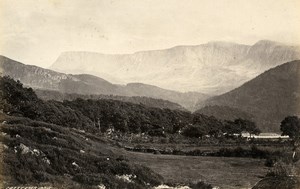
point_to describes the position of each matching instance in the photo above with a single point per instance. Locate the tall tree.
(291, 126)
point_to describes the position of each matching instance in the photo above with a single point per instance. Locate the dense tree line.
(103, 114)
(20, 101)
(128, 117)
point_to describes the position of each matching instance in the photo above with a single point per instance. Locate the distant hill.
(37, 77)
(269, 97)
(211, 68)
(45, 79)
(188, 99)
(147, 101)
(224, 112)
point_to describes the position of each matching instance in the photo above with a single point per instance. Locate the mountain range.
(84, 84)
(211, 68)
(265, 81)
(269, 97)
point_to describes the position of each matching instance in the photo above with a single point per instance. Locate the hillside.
(48, 143)
(186, 99)
(65, 158)
(45, 79)
(41, 78)
(269, 97)
(211, 68)
(224, 112)
(147, 101)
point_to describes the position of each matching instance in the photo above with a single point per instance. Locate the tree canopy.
(291, 126)
(121, 116)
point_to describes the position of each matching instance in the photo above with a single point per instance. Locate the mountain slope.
(269, 97)
(224, 112)
(188, 99)
(213, 68)
(147, 101)
(37, 77)
(40, 78)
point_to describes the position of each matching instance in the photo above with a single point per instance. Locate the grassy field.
(219, 171)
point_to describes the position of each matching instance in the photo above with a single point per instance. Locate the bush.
(89, 179)
(200, 185)
(280, 169)
(270, 162)
(194, 131)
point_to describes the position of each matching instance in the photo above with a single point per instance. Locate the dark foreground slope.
(49, 144)
(38, 153)
(291, 182)
(269, 97)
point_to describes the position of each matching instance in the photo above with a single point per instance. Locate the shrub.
(280, 169)
(200, 185)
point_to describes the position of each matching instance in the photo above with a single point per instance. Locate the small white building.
(265, 136)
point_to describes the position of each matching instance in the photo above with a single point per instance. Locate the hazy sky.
(37, 31)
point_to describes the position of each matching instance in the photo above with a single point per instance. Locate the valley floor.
(224, 172)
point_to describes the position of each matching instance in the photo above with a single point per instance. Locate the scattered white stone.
(101, 186)
(75, 164)
(24, 149)
(47, 129)
(107, 159)
(82, 151)
(126, 178)
(86, 139)
(46, 160)
(36, 152)
(3, 133)
(54, 138)
(4, 122)
(15, 149)
(5, 147)
(163, 186)
(18, 136)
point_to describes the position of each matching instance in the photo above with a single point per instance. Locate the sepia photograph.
(149, 94)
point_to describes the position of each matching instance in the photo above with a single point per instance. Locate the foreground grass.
(2, 175)
(289, 182)
(41, 154)
(224, 172)
(218, 171)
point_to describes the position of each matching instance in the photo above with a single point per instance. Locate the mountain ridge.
(45, 79)
(211, 68)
